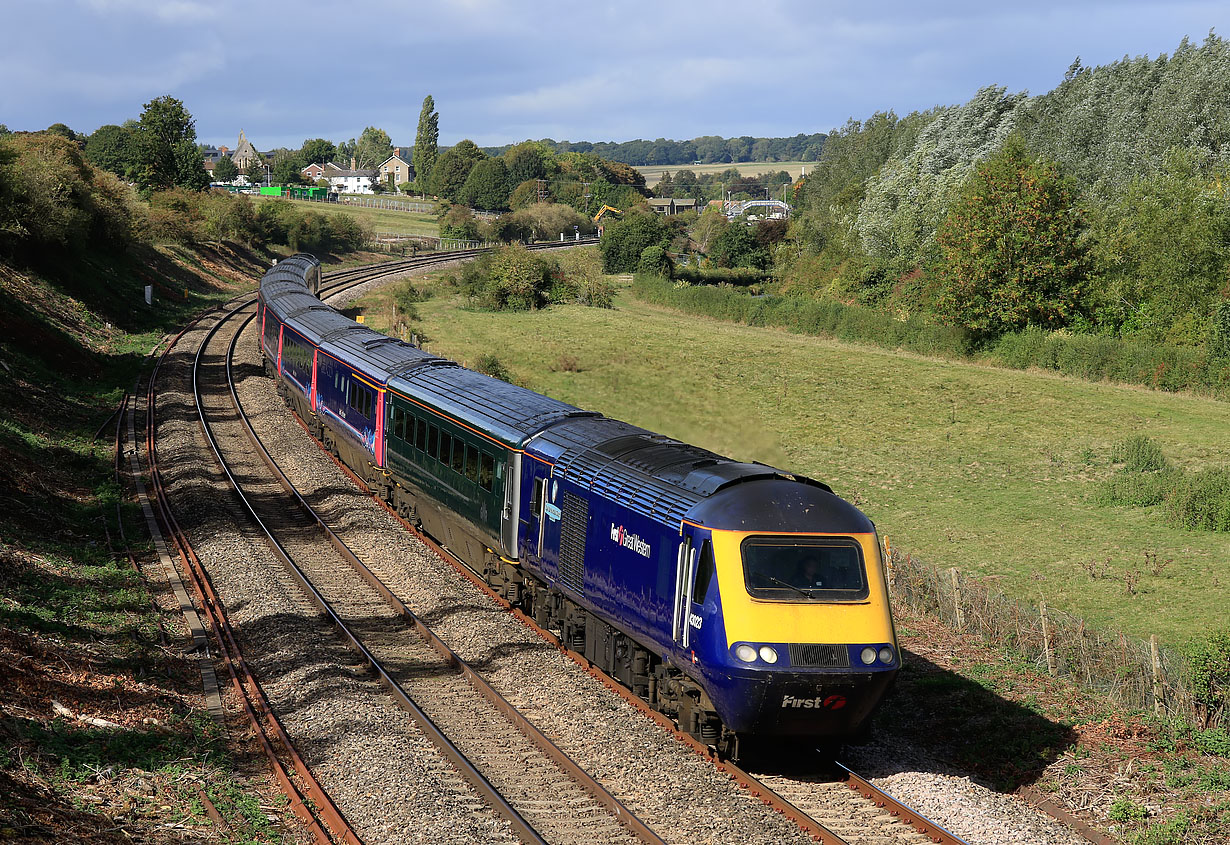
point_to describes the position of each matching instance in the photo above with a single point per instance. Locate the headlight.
(886, 654)
(868, 655)
(767, 654)
(746, 653)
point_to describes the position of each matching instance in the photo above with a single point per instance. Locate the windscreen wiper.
(799, 590)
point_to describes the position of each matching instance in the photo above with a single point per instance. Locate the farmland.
(989, 470)
(653, 173)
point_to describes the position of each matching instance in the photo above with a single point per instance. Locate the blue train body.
(741, 599)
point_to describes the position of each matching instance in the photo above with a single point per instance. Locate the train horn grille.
(819, 656)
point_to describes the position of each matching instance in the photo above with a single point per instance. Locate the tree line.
(707, 149)
(1099, 207)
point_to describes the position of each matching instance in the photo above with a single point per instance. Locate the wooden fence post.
(1157, 674)
(1051, 669)
(956, 598)
(889, 572)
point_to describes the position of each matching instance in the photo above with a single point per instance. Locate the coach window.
(446, 447)
(420, 434)
(486, 471)
(399, 423)
(432, 439)
(471, 463)
(459, 456)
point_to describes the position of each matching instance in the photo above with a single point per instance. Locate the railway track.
(848, 810)
(826, 809)
(527, 780)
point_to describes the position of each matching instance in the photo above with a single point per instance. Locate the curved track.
(841, 809)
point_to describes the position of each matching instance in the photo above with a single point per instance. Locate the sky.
(502, 72)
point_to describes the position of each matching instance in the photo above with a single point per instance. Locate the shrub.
(1139, 454)
(1138, 489)
(1202, 501)
(654, 260)
(489, 364)
(1208, 660)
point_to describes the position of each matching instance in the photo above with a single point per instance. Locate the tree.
(111, 148)
(623, 242)
(453, 167)
(486, 186)
(1011, 251)
(286, 168)
(317, 151)
(63, 131)
(373, 147)
(255, 171)
(425, 143)
(225, 170)
(166, 151)
(529, 160)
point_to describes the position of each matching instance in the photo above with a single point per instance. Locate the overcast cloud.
(502, 72)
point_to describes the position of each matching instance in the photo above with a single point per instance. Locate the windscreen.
(804, 568)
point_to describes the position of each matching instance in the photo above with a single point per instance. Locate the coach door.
(685, 567)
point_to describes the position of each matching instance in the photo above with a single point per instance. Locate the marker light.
(868, 655)
(745, 653)
(767, 654)
(886, 654)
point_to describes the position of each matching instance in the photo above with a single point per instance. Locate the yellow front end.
(749, 619)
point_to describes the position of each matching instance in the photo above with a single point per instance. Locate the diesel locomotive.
(744, 601)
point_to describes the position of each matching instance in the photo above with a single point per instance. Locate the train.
(748, 603)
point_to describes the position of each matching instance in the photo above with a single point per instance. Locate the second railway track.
(682, 796)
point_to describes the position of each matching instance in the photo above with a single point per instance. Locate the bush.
(1106, 358)
(1139, 454)
(1209, 663)
(1202, 501)
(1139, 489)
(509, 279)
(488, 364)
(655, 261)
(805, 316)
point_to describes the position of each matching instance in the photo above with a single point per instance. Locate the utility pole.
(585, 187)
(542, 189)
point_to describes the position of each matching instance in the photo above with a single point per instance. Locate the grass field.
(379, 219)
(653, 173)
(989, 470)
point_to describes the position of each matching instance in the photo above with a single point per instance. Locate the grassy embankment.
(990, 470)
(77, 624)
(653, 172)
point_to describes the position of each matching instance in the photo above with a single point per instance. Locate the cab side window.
(704, 573)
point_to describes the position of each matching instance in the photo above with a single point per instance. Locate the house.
(315, 172)
(396, 169)
(350, 181)
(668, 206)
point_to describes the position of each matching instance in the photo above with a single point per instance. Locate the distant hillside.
(708, 149)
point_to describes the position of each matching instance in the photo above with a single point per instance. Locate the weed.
(1096, 568)
(1155, 564)
(1131, 579)
(1124, 810)
(1139, 454)
(1173, 831)
(566, 363)
(1214, 741)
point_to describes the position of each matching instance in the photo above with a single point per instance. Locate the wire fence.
(389, 204)
(1138, 674)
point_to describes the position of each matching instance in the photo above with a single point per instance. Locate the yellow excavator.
(604, 210)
